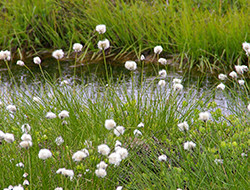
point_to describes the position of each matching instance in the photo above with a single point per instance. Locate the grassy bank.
(204, 33)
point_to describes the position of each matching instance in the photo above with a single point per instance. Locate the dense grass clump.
(195, 32)
(215, 159)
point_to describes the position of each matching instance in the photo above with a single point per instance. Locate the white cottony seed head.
(26, 182)
(204, 116)
(142, 58)
(163, 73)
(119, 188)
(189, 145)
(37, 60)
(26, 137)
(162, 157)
(177, 87)
(102, 165)
(65, 172)
(64, 82)
(11, 108)
(101, 172)
(77, 47)
(44, 154)
(114, 158)
(140, 125)
(101, 29)
(222, 76)
(183, 126)
(110, 124)
(5, 55)
(243, 154)
(118, 143)
(123, 152)
(240, 69)
(58, 188)
(241, 82)
(218, 161)
(103, 149)
(137, 132)
(119, 130)
(25, 128)
(59, 140)
(158, 49)
(20, 63)
(50, 115)
(176, 81)
(19, 187)
(58, 54)
(20, 164)
(25, 175)
(25, 144)
(103, 45)
(246, 47)
(37, 99)
(162, 83)
(9, 138)
(63, 114)
(80, 155)
(221, 86)
(162, 61)
(130, 65)
(233, 74)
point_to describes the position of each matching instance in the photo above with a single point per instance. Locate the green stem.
(153, 64)
(153, 59)
(42, 71)
(133, 88)
(30, 170)
(75, 72)
(59, 68)
(30, 71)
(10, 73)
(75, 68)
(158, 64)
(106, 68)
(142, 68)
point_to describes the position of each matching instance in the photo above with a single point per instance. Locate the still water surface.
(92, 77)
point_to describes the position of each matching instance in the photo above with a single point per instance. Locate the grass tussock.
(206, 33)
(216, 159)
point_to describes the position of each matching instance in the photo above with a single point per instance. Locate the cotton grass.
(158, 49)
(20, 63)
(103, 44)
(44, 154)
(9, 138)
(110, 124)
(103, 149)
(77, 47)
(101, 172)
(80, 155)
(130, 65)
(37, 60)
(58, 54)
(101, 29)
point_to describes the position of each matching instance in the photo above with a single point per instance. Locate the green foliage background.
(207, 33)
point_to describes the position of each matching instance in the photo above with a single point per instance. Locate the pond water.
(92, 77)
(94, 72)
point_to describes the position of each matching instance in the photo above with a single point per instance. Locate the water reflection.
(92, 77)
(93, 73)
